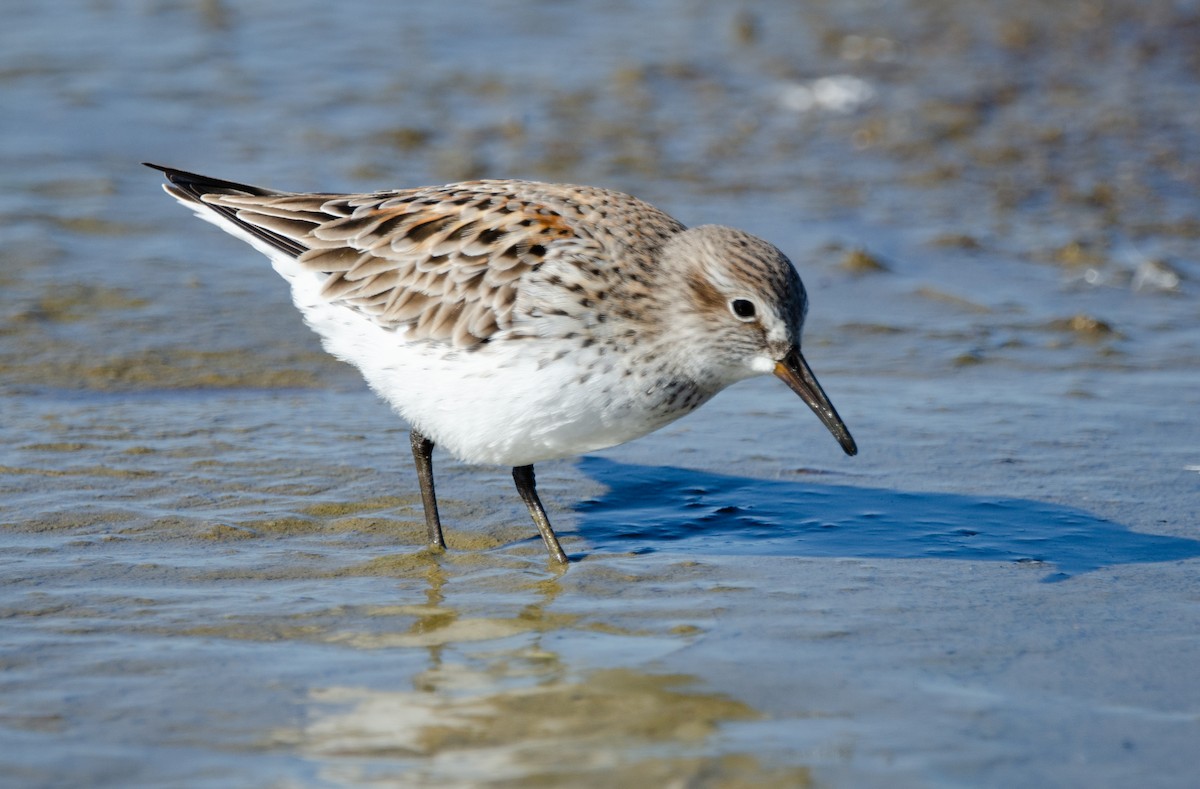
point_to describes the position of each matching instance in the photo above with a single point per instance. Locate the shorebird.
(512, 322)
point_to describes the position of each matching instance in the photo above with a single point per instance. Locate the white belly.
(507, 403)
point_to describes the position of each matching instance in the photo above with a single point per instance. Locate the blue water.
(212, 570)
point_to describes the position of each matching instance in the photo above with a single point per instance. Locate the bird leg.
(527, 487)
(422, 449)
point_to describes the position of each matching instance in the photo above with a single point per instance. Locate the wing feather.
(441, 263)
(441, 271)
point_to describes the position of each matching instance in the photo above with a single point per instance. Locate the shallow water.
(213, 572)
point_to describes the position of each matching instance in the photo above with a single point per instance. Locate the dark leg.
(527, 487)
(422, 449)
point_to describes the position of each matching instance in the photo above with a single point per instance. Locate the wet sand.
(213, 572)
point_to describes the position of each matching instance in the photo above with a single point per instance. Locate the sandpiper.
(511, 322)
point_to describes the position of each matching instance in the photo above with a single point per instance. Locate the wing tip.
(196, 185)
(192, 188)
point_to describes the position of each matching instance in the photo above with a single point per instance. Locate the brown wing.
(444, 262)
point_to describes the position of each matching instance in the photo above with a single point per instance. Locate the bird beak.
(794, 372)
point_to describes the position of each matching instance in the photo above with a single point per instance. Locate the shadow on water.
(647, 507)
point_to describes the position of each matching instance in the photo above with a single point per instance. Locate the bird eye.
(743, 309)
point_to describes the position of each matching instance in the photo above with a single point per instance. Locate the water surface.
(212, 571)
